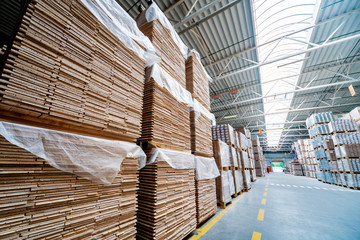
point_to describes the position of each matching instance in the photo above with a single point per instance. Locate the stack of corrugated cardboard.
(67, 71)
(167, 207)
(258, 158)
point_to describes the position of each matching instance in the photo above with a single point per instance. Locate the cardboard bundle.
(238, 181)
(162, 36)
(201, 140)
(165, 120)
(221, 154)
(224, 132)
(67, 71)
(197, 80)
(41, 202)
(166, 198)
(225, 187)
(247, 179)
(205, 199)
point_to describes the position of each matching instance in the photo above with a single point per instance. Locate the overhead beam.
(173, 6)
(354, 37)
(293, 110)
(285, 35)
(220, 10)
(283, 93)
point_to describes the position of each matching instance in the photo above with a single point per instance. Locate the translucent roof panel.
(275, 19)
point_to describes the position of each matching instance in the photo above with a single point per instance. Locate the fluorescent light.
(231, 116)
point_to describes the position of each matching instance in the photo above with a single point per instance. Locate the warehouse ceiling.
(273, 62)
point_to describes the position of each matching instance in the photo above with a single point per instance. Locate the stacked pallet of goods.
(197, 83)
(225, 183)
(319, 132)
(346, 143)
(66, 72)
(299, 162)
(244, 160)
(354, 115)
(167, 206)
(260, 166)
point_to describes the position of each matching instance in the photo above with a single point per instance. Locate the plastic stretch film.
(198, 108)
(95, 159)
(176, 159)
(120, 23)
(166, 81)
(206, 168)
(224, 153)
(153, 13)
(194, 52)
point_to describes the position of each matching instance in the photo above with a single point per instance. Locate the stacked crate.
(225, 185)
(244, 159)
(260, 167)
(355, 115)
(66, 71)
(197, 83)
(317, 125)
(167, 207)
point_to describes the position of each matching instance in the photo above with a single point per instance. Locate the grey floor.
(296, 208)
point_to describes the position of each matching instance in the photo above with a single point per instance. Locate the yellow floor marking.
(256, 236)
(265, 194)
(263, 201)
(261, 215)
(265, 189)
(203, 230)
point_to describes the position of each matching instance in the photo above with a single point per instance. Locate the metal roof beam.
(220, 10)
(283, 93)
(288, 56)
(173, 6)
(292, 110)
(286, 35)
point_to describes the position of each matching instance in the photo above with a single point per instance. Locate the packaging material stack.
(251, 156)
(197, 83)
(225, 133)
(355, 115)
(297, 168)
(70, 76)
(205, 188)
(331, 156)
(346, 142)
(260, 166)
(66, 71)
(238, 181)
(317, 125)
(225, 186)
(306, 157)
(167, 207)
(244, 159)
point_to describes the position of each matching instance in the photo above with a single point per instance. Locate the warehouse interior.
(179, 119)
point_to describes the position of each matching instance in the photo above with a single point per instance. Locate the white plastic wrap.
(199, 108)
(154, 13)
(231, 182)
(226, 189)
(95, 159)
(120, 23)
(206, 168)
(164, 80)
(197, 55)
(176, 159)
(224, 154)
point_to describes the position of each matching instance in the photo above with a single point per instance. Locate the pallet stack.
(225, 185)
(167, 207)
(205, 188)
(42, 202)
(66, 71)
(197, 83)
(306, 156)
(355, 115)
(259, 158)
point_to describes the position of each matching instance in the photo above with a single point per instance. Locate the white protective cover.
(194, 52)
(206, 168)
(164, 80)
(225, 154)
(176, 159)
(153, 13)
(200, 109)
(95, 159)
(120, 23)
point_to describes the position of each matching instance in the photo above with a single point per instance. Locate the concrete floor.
(296, 208)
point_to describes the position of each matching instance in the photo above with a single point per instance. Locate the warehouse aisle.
(282, 206)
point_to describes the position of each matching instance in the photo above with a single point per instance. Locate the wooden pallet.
(41, 202)
(67, 71)
(222, 205)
